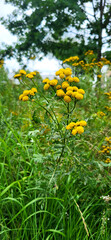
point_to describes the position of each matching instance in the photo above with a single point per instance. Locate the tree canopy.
(59, 27)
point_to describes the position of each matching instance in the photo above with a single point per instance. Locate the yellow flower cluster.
(108, 94)
(62, 73)
(99, 75)
(71, 59)
(1, 63)
(89, 52)
(69, 92)
(106, 149)
(108, 108)
(18, 75)
(64, 89)
(49, 83)
(99, 64)
(108, 160)
(90, 65)
(76, 127)
(27, 94)
(105, 61)
(23, 72)
(101, 114)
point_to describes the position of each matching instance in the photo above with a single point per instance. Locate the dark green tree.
(60, 27)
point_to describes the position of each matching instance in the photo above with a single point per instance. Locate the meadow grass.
(42, 198)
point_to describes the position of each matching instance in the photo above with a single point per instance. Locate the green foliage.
(43, 29)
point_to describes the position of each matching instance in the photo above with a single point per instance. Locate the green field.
(55, 183)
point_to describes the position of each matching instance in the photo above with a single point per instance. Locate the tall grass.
(43, 200)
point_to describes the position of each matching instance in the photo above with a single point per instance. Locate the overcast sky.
(47, 66)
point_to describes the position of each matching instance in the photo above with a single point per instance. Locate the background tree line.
(63, 28)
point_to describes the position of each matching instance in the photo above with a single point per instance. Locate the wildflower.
(58, 87)
(81, 62)
(29, 76)
(53, 82)
(107, 139)
(75, 88)
(33, 73)
(75, 64)
(81, 91)
(108, 108)
(65, 84)
(2, 61)
(99, 75)
(99, 64)
(23, 72)
(46, 86)
(89, 52)
(94, 59)
(74, 94)
(21, 96)
(77, 123)
(25, 98)
(46, 80)
(67, 71)
(80, 129)
(70, 79)
(70, 125)
(71, 59)
(100, 114)
(67, 99)
(69, 93)
(107, 160)
(57, 73)
(62, 75)
(60, 93)
(69, 88)
(17, 75)
(26, 92)
(77, 127)
(83, 123)
(78, 96)
(74, 131)
(76, 79)
(34, 90)
(31, 93)
(60, 71)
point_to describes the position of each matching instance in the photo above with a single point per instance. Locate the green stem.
(64, 139)
(68, 113)
(51, 109)
(73, 106)
(46, 111)
(34, 83)
(62, 151)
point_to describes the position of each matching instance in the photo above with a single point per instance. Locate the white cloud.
(6, 37)
(5, 8)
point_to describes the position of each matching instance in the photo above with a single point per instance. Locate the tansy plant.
(88, 64)
(64, 89)
(106, 150)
